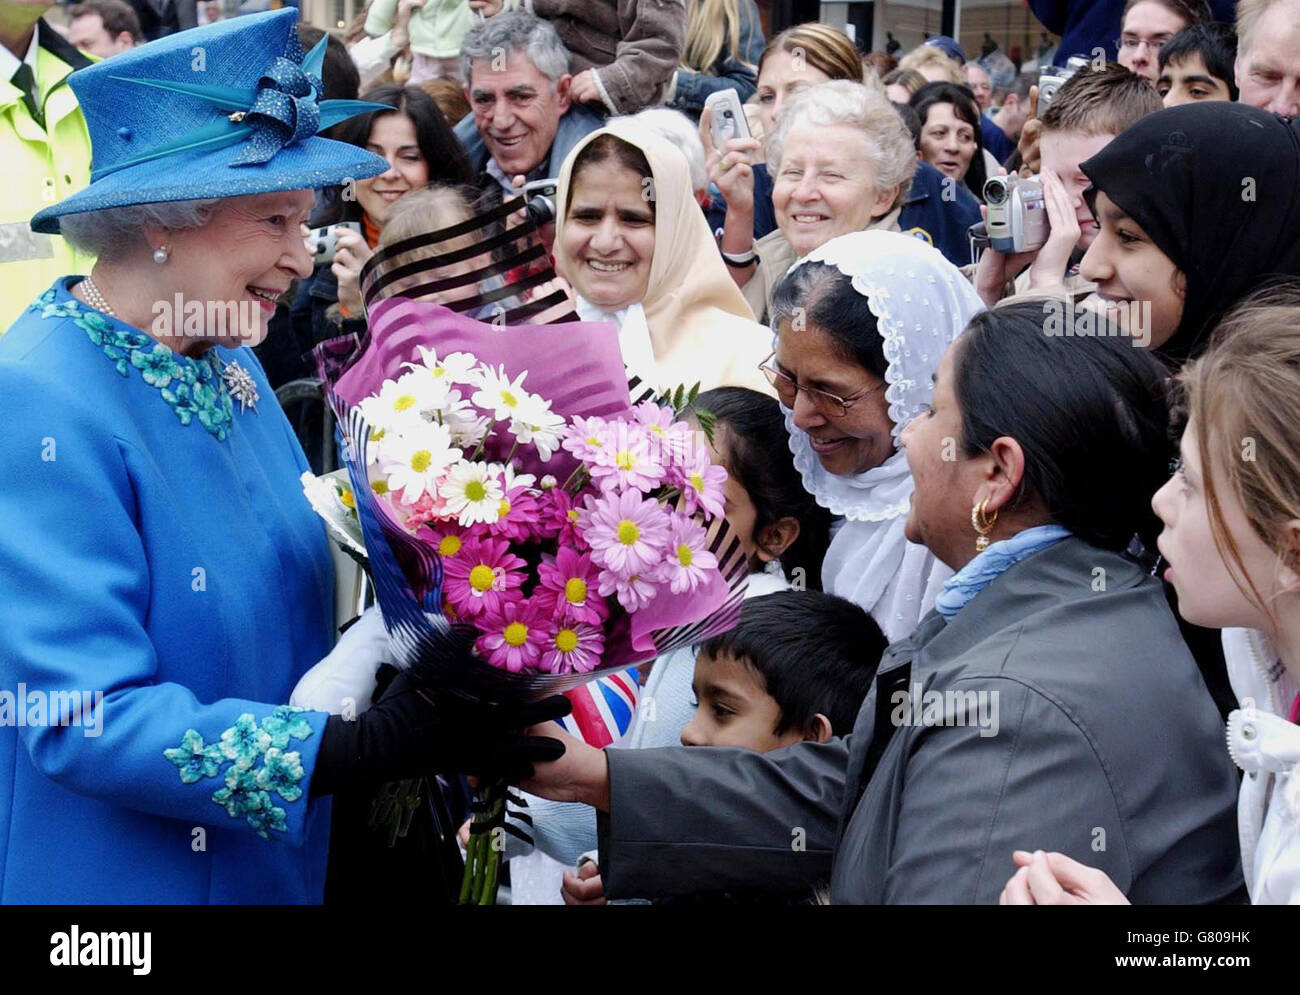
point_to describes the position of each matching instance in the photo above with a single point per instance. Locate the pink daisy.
(568, 585)
(558, 519)
(584, 437)
(449, 538)
(517, 515)
(627, 533)
(627, 459)
(633, 593)
(513, 638)
(483, 577)
(689, 562)
(572, 647)
(701, 482)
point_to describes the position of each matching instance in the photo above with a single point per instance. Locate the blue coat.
(155, 548)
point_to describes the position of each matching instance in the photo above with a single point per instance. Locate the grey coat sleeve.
(684, 820)
(971, 799)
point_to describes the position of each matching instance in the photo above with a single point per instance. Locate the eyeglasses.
(1130, 43)
(787, 391)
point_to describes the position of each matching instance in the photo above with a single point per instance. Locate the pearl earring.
(160, 254)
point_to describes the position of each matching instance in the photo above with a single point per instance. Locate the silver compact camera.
(1017, 220)
(1052, 78)
(322, 242)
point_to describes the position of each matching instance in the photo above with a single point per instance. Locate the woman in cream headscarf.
(633, 243)
(861, 324)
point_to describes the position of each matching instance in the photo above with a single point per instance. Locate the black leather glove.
(414, 731)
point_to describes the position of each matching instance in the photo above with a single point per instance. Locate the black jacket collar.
(60, 47)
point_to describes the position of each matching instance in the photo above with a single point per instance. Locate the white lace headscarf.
(921, 303)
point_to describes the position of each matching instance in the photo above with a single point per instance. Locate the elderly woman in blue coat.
(166, 583)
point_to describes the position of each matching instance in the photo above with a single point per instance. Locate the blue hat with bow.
(224, 110)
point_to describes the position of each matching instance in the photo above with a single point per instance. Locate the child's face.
(1062, 151)
(1208, 594)
(734, 708)
(1188, 80)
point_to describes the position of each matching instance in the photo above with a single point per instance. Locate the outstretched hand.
(579, 774)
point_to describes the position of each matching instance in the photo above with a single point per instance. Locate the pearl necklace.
(240, 383)
(95, 299)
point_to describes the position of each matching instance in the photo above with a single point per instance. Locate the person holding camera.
(420, 149)
(1088, 112)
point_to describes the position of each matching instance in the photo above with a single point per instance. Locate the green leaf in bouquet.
(707, 420)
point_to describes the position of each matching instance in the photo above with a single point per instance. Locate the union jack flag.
(603, 709)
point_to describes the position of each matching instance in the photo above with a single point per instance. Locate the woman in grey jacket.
(1048, 697)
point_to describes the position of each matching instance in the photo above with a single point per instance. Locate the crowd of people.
(997, 614)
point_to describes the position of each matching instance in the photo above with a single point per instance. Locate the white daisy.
(455, 367)
(398, 403)
(535, 423)
(501, 395)
(472, 491)
(417, 459)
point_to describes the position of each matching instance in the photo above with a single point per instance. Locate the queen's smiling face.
(247, 255)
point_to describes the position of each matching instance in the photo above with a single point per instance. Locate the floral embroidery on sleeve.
(248, 786)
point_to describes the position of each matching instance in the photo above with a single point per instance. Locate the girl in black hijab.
(1197, 205)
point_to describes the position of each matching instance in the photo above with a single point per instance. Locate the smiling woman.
(842, 161)
(633, 243)
(861, 324)
(200, 589)
(419, 147)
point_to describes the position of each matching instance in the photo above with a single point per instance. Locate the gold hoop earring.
(982, 524)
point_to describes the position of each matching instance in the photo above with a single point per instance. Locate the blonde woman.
(934, 64)
(724, 42)
(1232, 542)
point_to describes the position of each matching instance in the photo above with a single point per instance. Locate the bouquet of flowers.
(527, 526)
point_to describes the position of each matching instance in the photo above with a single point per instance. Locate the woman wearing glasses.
(861, 323)
(1148, 24)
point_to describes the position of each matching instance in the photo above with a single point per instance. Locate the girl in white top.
(861, 323)
(1232, 540)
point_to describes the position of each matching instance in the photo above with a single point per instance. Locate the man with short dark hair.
(45, 151)
(1002, 127)
(103, 27)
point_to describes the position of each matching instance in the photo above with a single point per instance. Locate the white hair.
(113, 232)
(888, 146)
(676, 129)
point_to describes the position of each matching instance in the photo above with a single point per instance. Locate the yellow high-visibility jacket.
(39, 166)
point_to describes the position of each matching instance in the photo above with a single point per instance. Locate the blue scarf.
(1000, 556)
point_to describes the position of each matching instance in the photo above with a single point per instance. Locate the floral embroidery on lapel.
(248, 787)
(192, 388)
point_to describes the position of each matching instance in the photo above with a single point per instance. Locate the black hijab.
(1216, 186)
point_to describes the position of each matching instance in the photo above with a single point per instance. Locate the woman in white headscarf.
(634, 244)
(860, 324)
